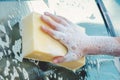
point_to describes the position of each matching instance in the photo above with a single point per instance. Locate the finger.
(65, 19)
(54, 25)
(46, 30)
(58, 59)
(56, 18)
(55, 34)
(67, 58)
(70, 57)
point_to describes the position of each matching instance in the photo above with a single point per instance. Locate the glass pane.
(82, 12)
(113, 10)
(85, 13)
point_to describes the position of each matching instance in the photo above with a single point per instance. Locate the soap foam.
(117, 63)
(6, 69)
(26, 76)
(15, 74)
(70, 38)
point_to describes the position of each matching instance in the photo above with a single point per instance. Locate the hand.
(68, 34)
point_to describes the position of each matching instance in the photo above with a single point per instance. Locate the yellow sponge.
(40, 46)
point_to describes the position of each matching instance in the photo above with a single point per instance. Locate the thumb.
(68, 57)
(58, 59)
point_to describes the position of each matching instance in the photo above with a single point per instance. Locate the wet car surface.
(100, 67)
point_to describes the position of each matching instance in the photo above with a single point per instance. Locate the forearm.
(103, 45)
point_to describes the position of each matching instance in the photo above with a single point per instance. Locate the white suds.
(16, 48)
(9, 24)
(15, 74)
(19, 69)
(26, 76)
(2, 28)
(6, 70)
(2, 43)
(117, 63)
(1, 55)
(1, 78)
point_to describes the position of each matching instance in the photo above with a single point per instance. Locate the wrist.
(102, 45)
(88, 46)
(92, 45)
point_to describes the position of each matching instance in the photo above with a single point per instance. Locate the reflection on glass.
(77, 10)
(113, 8)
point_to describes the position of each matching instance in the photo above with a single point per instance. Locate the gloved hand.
(68, 34)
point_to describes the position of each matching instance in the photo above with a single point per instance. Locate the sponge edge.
(40, 46)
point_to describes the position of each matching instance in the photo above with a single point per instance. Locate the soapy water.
(7, 49)
(103, 68)
(11, 42)
(12, 60)
(117, 63)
